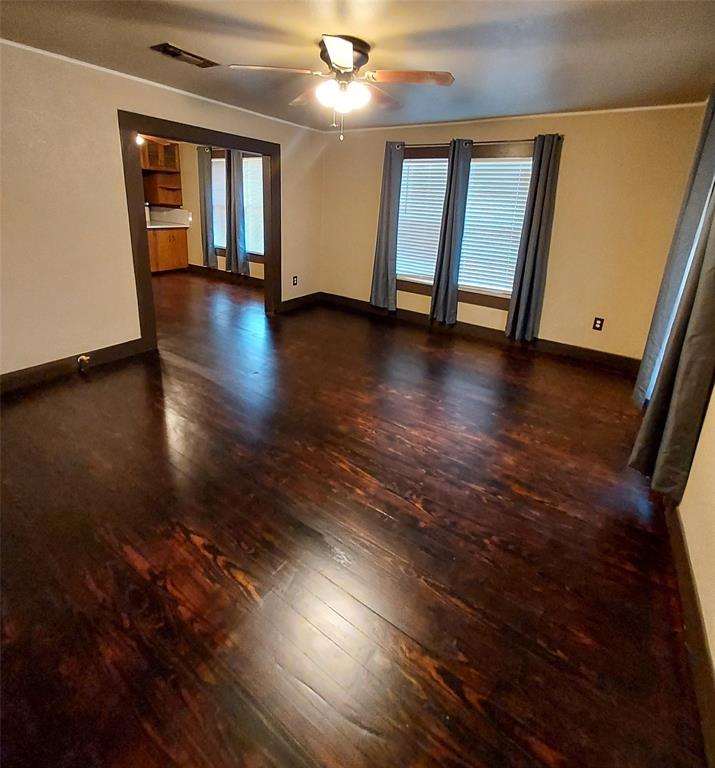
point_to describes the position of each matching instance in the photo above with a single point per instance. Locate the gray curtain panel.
(527, 294)
(445, 287)
(384, 272)
(236, 255)
(701, 176)
(207, 209)
(668, 436)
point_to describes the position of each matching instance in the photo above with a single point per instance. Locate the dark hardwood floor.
(324, 540)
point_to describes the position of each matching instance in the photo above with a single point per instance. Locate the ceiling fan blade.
(409, 76)
(265, 68)
(340, 52)
(382, 98)
(303, 98)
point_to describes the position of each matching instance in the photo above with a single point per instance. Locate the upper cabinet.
(162, 189)
(156, 156)
(161, 171)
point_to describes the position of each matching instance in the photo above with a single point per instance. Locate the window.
(218, 194)
(424, 182)
(252, 202)
(496, 201)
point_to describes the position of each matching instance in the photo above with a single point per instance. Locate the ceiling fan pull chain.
(342, 126)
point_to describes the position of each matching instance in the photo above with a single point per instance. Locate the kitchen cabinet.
(162, 189)
(168, 249)
(157, 156)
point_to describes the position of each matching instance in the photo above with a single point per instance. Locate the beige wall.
(620, 185)
(67, 274)
(192, 201)
(697, 512)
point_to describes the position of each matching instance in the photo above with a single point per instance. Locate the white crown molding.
(531, 116)
(328, 132)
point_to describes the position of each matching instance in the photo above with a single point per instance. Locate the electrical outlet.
(597, 324)
(295, 279)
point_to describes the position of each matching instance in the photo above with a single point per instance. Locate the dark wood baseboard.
(226, 277)
(627, 365)
(354, 305)
(701, 662)
(175, 271)
(415, 318)
(39, 374)
(300, 302)
(29, 376)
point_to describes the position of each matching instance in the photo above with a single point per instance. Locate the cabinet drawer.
(168, 249)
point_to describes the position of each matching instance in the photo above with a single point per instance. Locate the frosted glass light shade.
(343, 101)
(327, 92)
(359, 94)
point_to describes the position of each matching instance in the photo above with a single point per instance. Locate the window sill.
(256, 258)
(491, 300)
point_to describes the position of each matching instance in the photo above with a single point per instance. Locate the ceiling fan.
(345, 87)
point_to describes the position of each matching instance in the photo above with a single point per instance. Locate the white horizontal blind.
(496, 199)
(218, 194)
(424, 182)
(253, 203)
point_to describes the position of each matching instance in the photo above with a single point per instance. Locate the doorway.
(132, 125)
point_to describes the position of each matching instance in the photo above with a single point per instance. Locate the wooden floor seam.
(322, 540)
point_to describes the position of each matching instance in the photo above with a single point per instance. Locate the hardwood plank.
(316, 539)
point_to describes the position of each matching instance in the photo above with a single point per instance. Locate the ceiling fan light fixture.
(327, 92)
(359, 94)
(340, 50)
(343, 101)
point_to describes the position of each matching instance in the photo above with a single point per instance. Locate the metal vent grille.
(189, 58)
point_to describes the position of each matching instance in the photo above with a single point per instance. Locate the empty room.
(356, 384)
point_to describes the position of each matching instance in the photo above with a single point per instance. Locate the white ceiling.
(508, 58)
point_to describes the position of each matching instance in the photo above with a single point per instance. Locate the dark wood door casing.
(130, 124)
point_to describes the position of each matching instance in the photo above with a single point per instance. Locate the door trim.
(131, 123)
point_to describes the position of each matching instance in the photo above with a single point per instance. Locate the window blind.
(218, 194)
(424, 182)
(496, 200)
(253, 203)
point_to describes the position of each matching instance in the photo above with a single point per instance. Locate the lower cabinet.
(168, 249)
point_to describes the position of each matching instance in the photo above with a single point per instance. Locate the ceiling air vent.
(189, 58)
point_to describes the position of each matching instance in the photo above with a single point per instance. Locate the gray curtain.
(530, 276)
(236, 255)
(445, 287)
(701, 176)
(384, 272)
(668, 436)
(206, 203)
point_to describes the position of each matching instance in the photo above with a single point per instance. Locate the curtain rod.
(504, 141)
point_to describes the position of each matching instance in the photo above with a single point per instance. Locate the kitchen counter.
(165, 225)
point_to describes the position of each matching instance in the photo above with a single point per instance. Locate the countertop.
(165, 225)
